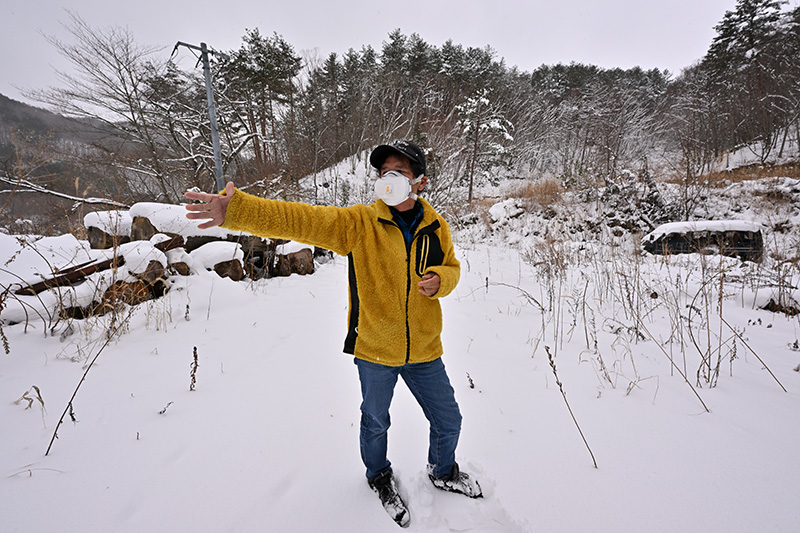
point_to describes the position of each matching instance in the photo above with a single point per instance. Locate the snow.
(291, 247)
(139, 254)
(169, 218)
(269, 438)
(114, 222)
(503, 210)
(700, 226)
(179, 255)
(215, 252)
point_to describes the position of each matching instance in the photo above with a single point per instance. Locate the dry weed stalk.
(193, 372)
(68, 409)
(525, 293)
(158, 314)
(644, 328)
(50, 321)
(564, 395)
(469, 380)
(3, 338)
(701, 303)
(753, 352)
(56, 312)
(595, 348)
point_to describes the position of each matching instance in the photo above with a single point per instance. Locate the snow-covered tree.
(486, 133)
(260, 82)
(746, 61)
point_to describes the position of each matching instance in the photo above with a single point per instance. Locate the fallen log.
(77, 274)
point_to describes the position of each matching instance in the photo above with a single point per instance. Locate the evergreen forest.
(283, 117)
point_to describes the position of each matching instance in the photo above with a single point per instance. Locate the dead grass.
(746, 173)
(481, 207)
(537, 194)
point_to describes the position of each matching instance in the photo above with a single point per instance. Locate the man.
(400, 262)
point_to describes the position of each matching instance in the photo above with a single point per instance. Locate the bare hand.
(213, 209)
(429, 284)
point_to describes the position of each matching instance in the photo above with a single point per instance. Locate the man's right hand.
(213, 208)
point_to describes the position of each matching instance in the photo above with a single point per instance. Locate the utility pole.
(212, 113)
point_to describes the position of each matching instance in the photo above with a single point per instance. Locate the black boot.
(394, 505)
(458, 482)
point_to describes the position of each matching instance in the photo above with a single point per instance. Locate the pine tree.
(260, 76)
(744, 64)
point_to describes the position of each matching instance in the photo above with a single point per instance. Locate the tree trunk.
(472, 163)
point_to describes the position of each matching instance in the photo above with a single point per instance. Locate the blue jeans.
(429, 384)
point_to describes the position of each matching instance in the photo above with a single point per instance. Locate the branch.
(32, 187)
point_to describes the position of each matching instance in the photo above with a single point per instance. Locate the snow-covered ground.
(268, 440)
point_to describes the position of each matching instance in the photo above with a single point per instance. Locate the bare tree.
(109, 88)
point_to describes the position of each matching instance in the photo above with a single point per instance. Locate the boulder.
(154, 272)
(100, 240)
(299, 262)
(142, 229)
(181, 268)
(180, 261)
(193, 242)
(230, 269)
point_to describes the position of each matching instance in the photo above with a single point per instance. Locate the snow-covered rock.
(504, 210)
(216, 252)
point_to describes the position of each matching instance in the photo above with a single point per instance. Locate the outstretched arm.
(213, 208)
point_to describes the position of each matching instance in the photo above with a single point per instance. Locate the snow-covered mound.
(113, 222)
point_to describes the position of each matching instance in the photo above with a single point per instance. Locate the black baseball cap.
(404, 148)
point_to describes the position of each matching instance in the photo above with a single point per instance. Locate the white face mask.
(394, 188)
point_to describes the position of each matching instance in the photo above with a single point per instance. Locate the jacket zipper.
(408, 291)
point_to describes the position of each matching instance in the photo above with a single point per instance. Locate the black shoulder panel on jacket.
(352, 322)
(429, 248)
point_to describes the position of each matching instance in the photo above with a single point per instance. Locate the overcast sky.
(665, 34)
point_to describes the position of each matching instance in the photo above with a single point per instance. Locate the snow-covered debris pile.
(225, 258)
(63, 277)
(259, 257)
(212, 253)
(133, 256)
(633, 203)
(145, 219)
(57, 277)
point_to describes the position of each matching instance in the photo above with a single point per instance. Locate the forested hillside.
(283, 117)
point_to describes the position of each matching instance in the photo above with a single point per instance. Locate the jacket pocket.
(429, 252)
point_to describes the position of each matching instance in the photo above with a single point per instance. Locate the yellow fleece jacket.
(389, 321)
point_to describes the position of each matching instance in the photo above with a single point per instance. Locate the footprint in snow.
(434, 509)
